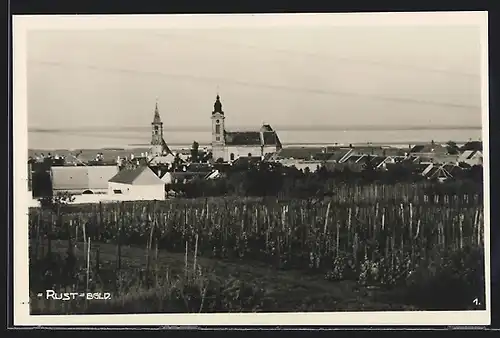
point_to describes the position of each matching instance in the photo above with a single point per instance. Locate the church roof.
(251, 138)
(242, 138)
(166, 149)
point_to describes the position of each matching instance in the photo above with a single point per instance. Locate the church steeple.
(218, 130)
(156, 118)
(157, 142)
(218, 106)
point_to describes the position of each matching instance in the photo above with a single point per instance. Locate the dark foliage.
(271, 179)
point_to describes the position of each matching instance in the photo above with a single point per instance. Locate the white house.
(139, 184)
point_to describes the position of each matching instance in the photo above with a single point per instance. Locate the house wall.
(218, 152)
(167, 178)
(80, 191)
(241, 151)
(145, 192)
(268, 150)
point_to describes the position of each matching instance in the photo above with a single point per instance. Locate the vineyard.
(380, 242)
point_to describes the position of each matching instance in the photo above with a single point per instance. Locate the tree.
(177, 162)
(195, 152)
(452, 148)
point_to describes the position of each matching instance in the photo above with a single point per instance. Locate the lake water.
(127, 139)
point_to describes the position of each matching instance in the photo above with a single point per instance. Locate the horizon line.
(185, 128)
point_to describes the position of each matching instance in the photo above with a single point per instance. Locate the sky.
(285, 75)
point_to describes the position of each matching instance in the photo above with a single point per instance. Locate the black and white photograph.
(196, 166)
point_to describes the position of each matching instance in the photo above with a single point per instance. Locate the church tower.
(218, 141)
(157, 143)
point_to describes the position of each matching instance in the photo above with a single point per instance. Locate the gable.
(147, 177)
(270, 138)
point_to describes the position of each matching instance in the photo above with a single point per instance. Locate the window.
(249, 154)
(217, 138)
(217, 128)
(232, 156)
(117, 191)
(87, 192)
(217, 121)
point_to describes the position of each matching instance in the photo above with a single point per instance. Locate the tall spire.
(157, 119)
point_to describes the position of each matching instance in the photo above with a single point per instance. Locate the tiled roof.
(437, 171)
(185, 174)
(420, 167)
(473, 145)
(423, 159)
(428, 148)
(82, 177)
(340, 154)
(243, 138)
(141, 175)
(452, 169)
(417, 149)
(410, 159)
(354, 158)
(368, 150)
(303, 153)
(246, 160)
(213, 175)
(70, 178)
(445, 158)
(390, 151)
(322, 156)
(199, 167)
(377, 160)
(157, 160)
(99, 176)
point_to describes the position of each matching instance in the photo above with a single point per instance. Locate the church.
(227, 146)
(160, 153)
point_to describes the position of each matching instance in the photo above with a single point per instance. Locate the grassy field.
(240, 256)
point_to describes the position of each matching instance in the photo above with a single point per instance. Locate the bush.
(448, 281)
